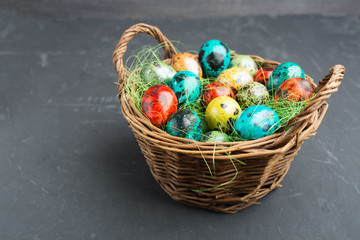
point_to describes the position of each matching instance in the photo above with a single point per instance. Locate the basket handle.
(327, 86)
(126, 37)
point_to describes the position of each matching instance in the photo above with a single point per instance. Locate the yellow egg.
(235, 78)
(221, 113)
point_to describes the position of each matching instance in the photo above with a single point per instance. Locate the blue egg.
(185, 123)
(282, 73)
(257, 122)
(186, 86)
(214, 57)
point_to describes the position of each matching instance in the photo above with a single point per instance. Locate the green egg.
(246, 62)
(252, 93)
(158, 71)
(215, 136)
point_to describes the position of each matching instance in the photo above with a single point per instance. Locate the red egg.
(263, 74)
(295, 89)
(158, 103)
(214, 90)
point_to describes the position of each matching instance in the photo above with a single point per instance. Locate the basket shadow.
(127, 173)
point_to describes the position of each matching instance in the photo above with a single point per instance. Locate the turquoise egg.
(282, 73)
(186, 86)
(214, 57)
(157, 70)
(185, 123)
(257, 122)
(215, 136)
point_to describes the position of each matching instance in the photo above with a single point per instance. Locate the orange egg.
(186, 62)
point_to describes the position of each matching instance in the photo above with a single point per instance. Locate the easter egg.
(252, 93)
(295, 89)
(186, 62)
(214, 90)
(246, 62)
(215, 136)
(257, 122)
(157, 70)
(262, 76)
(282, 73)
(214, 57)
(186, 86)
(235, 78)
(221, 113)
(186, 124)
(158, 103)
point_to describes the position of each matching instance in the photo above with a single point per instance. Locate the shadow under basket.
(182, 166)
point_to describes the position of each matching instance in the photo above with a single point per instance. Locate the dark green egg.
(215, 136)
(185, 123)
(157, 70)
(252, 93)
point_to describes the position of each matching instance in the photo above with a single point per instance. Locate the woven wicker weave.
(178, 164)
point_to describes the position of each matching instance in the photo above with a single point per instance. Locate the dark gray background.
(123, 9)
(71, 168)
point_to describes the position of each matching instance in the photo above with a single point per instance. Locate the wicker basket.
(178, 164)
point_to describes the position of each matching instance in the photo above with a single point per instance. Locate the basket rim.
(309, 117)
(258, 60)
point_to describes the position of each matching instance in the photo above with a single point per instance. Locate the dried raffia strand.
(178, 166)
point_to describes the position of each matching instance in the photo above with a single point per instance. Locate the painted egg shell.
(252, 93)
(214, 57)
(262, 76)
(295, 89)
(215, 136)
(235, 78)
(221, 113)
(282, 73)
(158, 103)
(214, 90)
(257, 122)
(157, 70)
(246, 62)
(186, 86)
(186, 62)
(186, 124)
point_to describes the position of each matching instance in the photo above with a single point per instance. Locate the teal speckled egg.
(257, 122)
(185, 123)
(186, 86)
(282, 73)
(215, 136)
(214, 57)
(157, 70)
(246, 62)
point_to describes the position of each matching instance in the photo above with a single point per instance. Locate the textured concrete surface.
(184, 9)
(71, 169)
